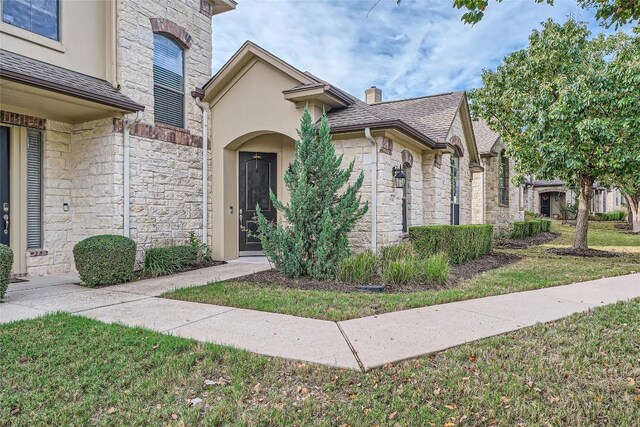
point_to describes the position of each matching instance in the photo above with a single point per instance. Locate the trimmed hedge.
(105, 259)
(460, 242)
(522, 229)
(609, 216)
(170, 259)
(6, 262)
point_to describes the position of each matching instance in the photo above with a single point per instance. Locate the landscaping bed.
(459, 272)
(525, 242)
(70, 370)
(585, 253)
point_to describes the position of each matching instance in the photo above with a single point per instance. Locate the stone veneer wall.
(495, 213)
(427, 189)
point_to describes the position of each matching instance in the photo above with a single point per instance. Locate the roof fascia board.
(129, 106)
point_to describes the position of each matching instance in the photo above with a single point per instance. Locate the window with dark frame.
(168, 81)
(503, 179)
(38, 16)
(455, 189)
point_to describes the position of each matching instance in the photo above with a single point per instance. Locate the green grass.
(72, 371)
(536, 270)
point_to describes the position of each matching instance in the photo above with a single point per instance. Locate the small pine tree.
(318, 218)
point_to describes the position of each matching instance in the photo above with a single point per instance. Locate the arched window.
(503, 179)
(168, 81)
(455, 189)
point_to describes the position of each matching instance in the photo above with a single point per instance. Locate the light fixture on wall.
(399, 177)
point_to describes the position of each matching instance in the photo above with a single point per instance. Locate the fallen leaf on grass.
(15, 411)
(631, 381)
(553, 399)
(393, 415)
(174, 416)
(448, 424)
(451, 406)
(472, 358)
(111, 410)
(505, 399)
(156, 345)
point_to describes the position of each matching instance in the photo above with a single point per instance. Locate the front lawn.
(537, 269)
(72, 371)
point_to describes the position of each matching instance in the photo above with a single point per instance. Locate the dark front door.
(4, 185)
(257, 175)
(545, 204)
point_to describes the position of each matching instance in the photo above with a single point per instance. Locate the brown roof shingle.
(40, 74)
(430, 116)
(485, 137)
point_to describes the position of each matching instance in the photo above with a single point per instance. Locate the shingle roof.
(36, 73)
(430, 116)
(485, 137)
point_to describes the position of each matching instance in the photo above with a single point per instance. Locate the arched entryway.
(254, 164)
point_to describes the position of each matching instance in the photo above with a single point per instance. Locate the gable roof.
(427, 119)
(29, 71)
(485, 138)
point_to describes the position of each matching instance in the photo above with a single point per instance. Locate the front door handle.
(6, 223)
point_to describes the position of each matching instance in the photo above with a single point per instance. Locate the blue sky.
(417, 48)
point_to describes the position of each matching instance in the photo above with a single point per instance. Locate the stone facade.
(486, 205)
(83, 164)
(428, 187)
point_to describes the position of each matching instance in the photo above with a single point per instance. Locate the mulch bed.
(585, 253)
(526, 242)
(459, 273)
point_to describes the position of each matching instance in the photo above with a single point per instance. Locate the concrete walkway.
(359, 344)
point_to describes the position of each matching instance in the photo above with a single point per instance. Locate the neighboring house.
(549, 198)
(496, 200)
(71, 164)
(256, 102)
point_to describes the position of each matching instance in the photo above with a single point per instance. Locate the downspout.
(374, 190)
(126, 126)
(204, 106)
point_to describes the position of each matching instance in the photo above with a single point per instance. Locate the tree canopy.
(608, 12)
(567, 108)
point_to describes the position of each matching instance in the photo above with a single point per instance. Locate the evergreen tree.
(313, 237)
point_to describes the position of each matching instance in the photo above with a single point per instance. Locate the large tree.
(608, 12)
(563, 109)
(312, 240)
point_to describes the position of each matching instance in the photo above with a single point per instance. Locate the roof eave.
(128, 106)
(391, 124)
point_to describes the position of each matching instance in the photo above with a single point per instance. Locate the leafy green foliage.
(396, 252)
(319, 215)
(460, 242)
(566, 107)
(105, 259)
(609, 216)
(6, 262)
(359, 268)
(411, 270)
(609, 12)
(522, 229)
(171, 259)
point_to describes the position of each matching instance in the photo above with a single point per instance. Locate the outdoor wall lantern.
(399, 177)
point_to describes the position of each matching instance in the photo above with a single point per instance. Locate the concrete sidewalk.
(353, 344)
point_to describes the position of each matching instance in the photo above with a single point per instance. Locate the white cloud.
(419, 47)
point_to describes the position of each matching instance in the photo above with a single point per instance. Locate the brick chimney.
(373, 95)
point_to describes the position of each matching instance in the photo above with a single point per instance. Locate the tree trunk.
(633, 205)
(582, 219)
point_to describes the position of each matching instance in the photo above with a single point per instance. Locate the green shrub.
(358, 268)
(396, 252)
(609, 216)
(170, 259)
(460, 242)
(105, 259)
(6, 262)
(522, 229)
(435, 268)
(401, 272)
(410, 270)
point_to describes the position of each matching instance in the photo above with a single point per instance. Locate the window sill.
(37, 252)
(32, 37)
(503, 205)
